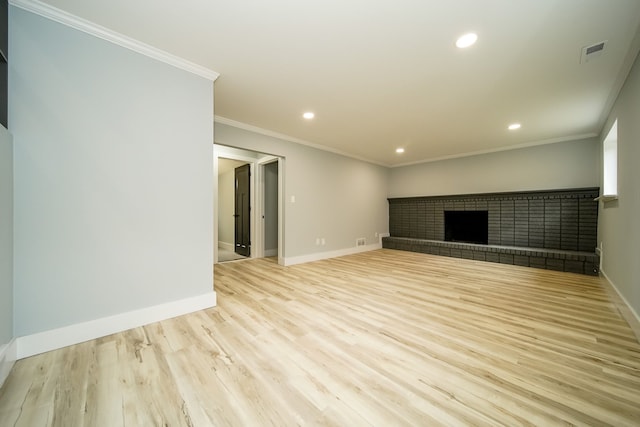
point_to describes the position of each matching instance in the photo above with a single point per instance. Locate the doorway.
(259, 232)
(270, 213)
(226, 209)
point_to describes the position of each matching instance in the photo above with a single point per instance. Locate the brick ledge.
(550, 259)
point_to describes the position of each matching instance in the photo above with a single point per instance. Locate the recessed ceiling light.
(466, 40)
(308, 115)
(399, 150)
(515, 126)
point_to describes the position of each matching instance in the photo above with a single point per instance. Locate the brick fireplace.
(554, 229)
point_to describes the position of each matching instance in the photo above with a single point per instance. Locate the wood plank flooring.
(383, 338)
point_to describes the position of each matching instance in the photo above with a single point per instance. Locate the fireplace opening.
(466, 226)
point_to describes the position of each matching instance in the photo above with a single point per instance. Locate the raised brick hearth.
(554, 229)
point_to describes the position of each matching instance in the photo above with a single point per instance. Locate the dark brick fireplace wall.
(555, 220)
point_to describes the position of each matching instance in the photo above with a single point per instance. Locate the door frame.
(257, 206)
(260, 206)
(217, 154)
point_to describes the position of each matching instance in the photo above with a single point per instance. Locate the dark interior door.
(242, 211)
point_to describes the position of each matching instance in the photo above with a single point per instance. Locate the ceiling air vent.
(592, 52)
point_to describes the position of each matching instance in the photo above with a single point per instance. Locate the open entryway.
(247, 205)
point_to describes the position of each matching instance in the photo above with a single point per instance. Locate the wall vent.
(591, 52)
(361, 241)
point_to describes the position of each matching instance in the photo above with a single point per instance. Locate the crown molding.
(267, 132)
(500, 149)
(80, 24)
(621, 78)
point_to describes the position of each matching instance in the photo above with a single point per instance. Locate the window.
(610, 162)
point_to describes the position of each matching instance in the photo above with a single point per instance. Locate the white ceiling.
(383, 74)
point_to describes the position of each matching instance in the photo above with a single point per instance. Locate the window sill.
(607, 198)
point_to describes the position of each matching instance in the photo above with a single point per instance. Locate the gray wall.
(113, 173)
(336, 197)
(6, 237)
(562, 165)
(271, 206)
(619, 229)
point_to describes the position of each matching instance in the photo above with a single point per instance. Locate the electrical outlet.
(322, 241)
(317, 241)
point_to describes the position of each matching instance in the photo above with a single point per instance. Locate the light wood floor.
(383, 338)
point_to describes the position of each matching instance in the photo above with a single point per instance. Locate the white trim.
(41, 342)
(214, 159)
(621, 78)
(80, 24)
(281, 210)
(257, 240)
(259, 246)
(267, 132)
(497, 150)
(268, 159)
(225, 245)
(625, 309)
(331, 254)
(8, 356)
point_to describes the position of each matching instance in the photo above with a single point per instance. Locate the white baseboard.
(225, 245)
(41, 342)
(625, 309)
(271, 252)
(8, 357)
(331, 254)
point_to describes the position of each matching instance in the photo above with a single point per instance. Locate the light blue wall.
(619, 228)
(113, 173)
(6, 237)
